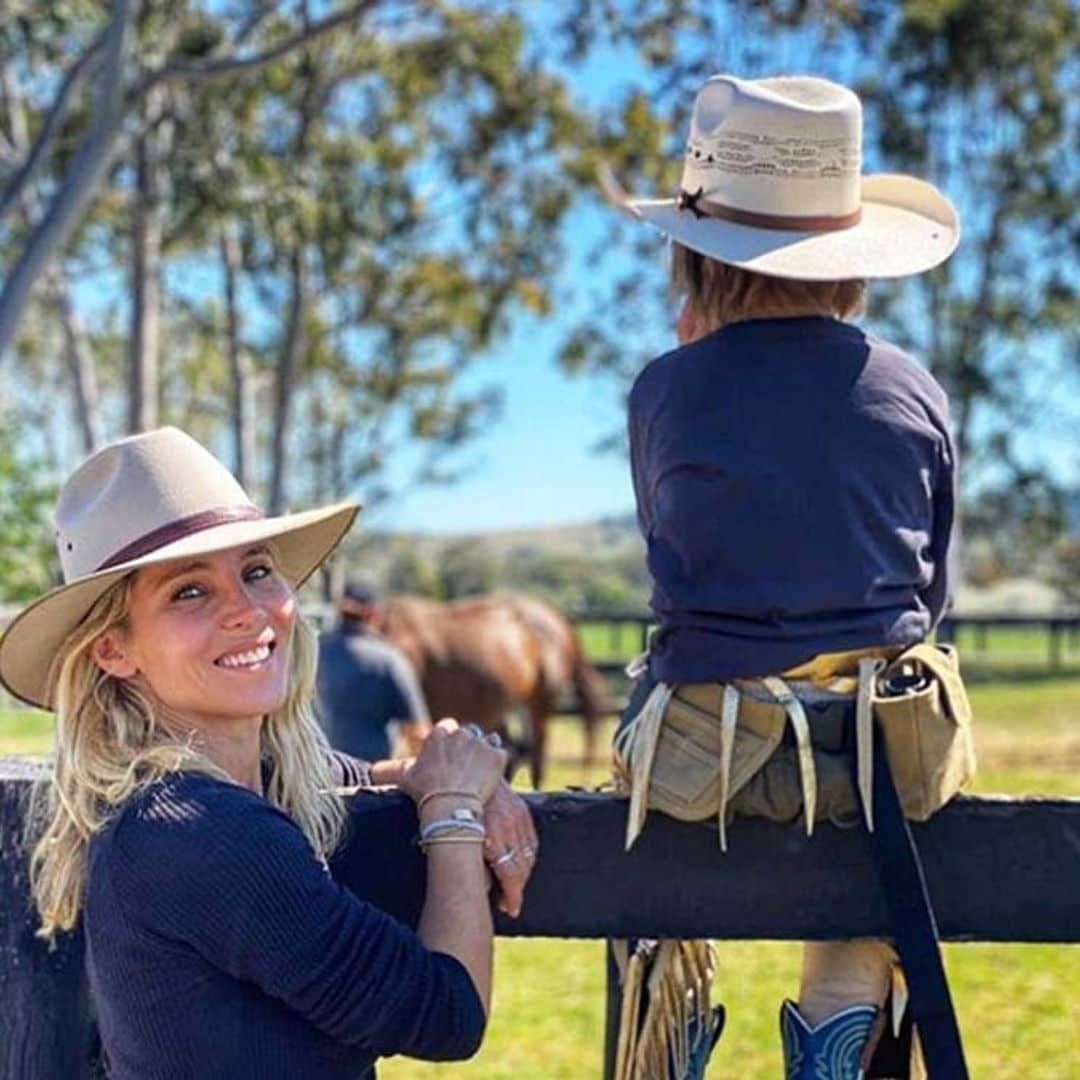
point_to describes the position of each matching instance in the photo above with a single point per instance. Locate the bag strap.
(941, 662)
(911, 915)
(801, 729)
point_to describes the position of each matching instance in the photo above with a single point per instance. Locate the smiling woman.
(192, 804)
(202, 637)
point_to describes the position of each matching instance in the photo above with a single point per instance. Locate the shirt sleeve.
(937, 596)
(233, 878)
(408, 704)
(636, 438)
(354, 771)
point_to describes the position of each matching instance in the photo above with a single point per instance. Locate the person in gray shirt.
(367, 687)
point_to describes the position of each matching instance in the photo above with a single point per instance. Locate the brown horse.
(481, 656)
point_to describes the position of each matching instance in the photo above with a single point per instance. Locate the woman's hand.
(452, 759)
(510, 847)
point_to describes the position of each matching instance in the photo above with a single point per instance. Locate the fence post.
(1055, 646)
(46, 1030)
(612, 1011)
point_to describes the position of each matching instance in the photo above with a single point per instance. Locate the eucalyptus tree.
(407, 194)
(103, 51)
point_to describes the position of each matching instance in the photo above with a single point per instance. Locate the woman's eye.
(258, 572)
(187, 592)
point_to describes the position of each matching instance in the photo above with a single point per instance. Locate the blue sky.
(536, 465)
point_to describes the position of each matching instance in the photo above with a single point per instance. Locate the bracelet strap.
(424, 799)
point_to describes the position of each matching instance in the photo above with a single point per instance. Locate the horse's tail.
(593, 697)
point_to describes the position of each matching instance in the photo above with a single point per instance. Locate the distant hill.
(593, 565)
(580, 538)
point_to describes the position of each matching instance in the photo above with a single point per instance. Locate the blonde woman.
(192, 801)
(795, 482)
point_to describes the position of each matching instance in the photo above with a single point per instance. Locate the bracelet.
(451, 825)
(462, 815)
(451, 839)
(445, 791)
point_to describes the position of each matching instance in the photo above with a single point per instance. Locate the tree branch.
(229, 65)
(80, 183)
(14, 187)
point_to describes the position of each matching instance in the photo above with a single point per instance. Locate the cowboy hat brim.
(907, 226)
(31, 641)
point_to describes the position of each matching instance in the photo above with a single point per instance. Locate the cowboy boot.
(702, 1041)
(833, 1050)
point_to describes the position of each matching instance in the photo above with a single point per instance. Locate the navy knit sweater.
(219, 946)
(795, 484)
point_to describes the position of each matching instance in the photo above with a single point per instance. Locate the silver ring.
(507, 856)
(475, 730)
(529, 852)
(493, 738)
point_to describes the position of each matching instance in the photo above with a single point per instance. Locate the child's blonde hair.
(720, 294)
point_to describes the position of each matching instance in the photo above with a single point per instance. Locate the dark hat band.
(700, 207)
(178, 530)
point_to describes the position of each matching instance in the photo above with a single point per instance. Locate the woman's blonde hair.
(111, 742)
(720, 294)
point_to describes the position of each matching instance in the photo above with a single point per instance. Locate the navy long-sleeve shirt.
(795, 485)
(219, 946)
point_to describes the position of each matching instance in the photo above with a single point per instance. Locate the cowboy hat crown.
(168, 486)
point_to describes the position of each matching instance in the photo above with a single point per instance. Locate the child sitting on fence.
(795, 479)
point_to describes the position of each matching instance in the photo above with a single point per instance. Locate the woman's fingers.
(511, 846)
(454, 759)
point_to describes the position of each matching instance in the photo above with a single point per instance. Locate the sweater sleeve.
(355, 772)
(635, 423)
(937, 595)
(219, 869)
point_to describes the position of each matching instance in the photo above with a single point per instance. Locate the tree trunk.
(81, 369)
(285, 376)
(144, 345)
(241, 373)
(88, 168)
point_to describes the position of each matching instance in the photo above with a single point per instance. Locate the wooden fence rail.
(998, 870)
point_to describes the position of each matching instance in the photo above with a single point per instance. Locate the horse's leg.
(540, 709)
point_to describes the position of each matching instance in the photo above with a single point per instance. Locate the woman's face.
(209, 637)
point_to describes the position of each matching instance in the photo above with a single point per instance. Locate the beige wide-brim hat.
(140, 501)
(772, 183)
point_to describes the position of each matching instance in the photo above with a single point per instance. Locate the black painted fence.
(998, 870)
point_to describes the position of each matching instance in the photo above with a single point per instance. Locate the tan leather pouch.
(922, 709)
(686, 770)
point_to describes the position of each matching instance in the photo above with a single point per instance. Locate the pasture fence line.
(998, 869)
(1061, 632)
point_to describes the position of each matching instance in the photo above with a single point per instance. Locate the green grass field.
(1017, 1003)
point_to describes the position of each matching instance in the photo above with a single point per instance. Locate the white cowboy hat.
(139, 501)
(772, 183)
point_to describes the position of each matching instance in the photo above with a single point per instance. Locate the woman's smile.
(253, 657)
